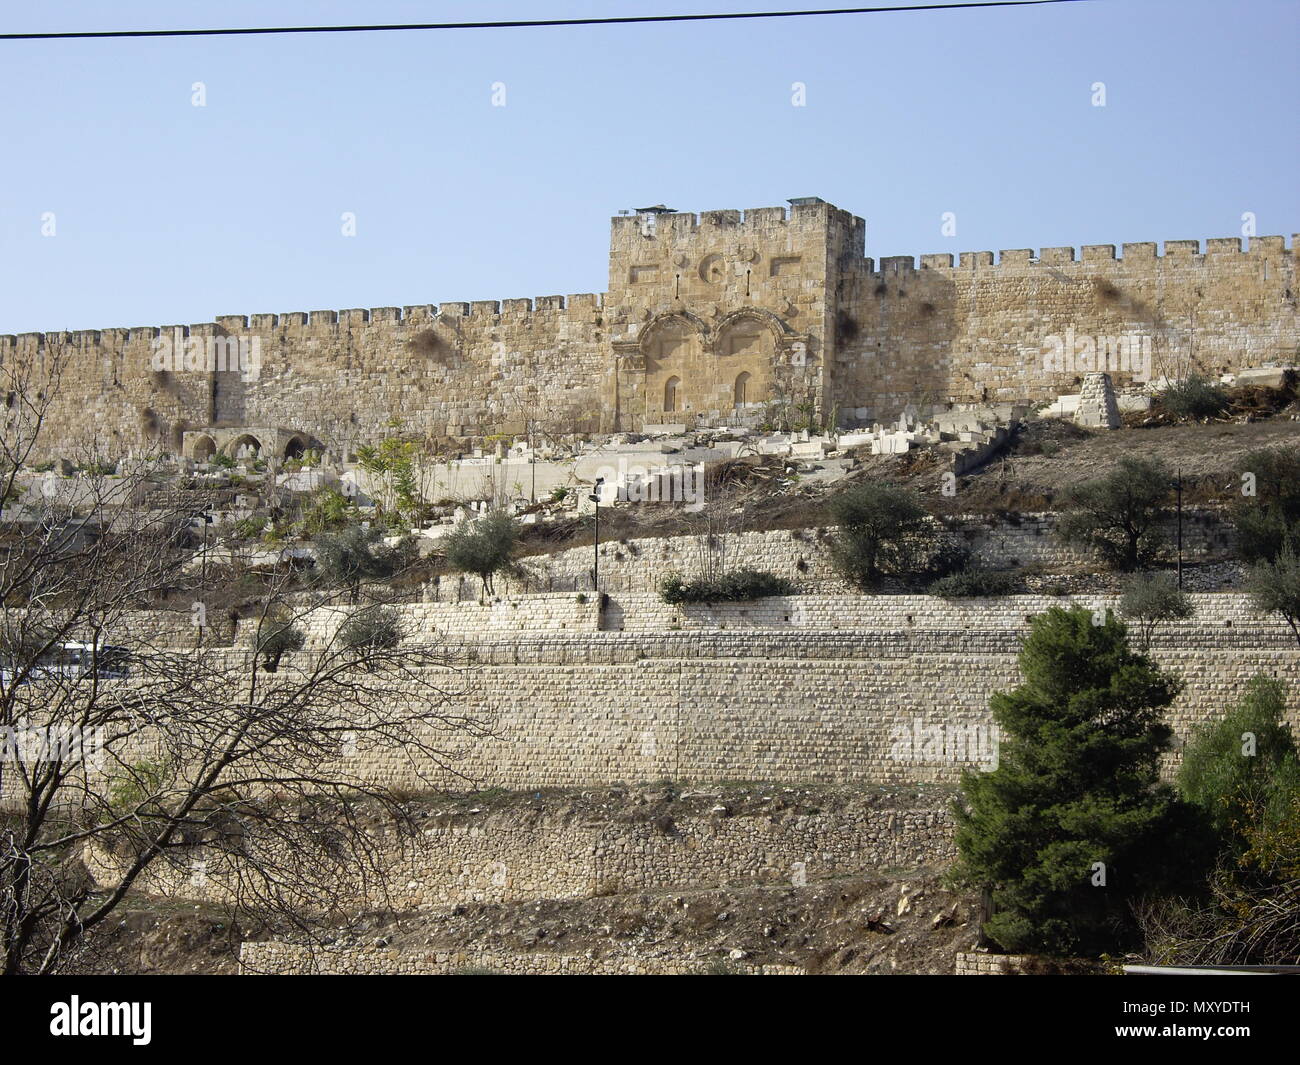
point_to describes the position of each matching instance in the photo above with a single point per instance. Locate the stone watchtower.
(724, 318)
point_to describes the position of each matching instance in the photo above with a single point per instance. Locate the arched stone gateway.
(295, 448)
(673, 347)
(693, 371)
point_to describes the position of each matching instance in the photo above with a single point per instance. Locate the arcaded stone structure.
(766, 316)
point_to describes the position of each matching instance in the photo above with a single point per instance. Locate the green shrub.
(1268, 521)
(483, 547)
(373, 628)
(357, 553)
(135, 788)
(738, 585)
(879, 530)
(1195, 397)
(249, 528)
(275, 639)
(1118, 516)
(1275, 588)
(973, 584)
(1152, 598)
(1243, 768)
(327, 509)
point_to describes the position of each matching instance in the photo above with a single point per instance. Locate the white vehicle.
(78, 660)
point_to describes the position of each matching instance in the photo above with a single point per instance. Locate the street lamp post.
(1178, 491)
(595, 571)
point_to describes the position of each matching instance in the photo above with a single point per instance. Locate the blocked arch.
(672, 395)
(740, 389)
(673, 346)
(766, 319)
(682, 321)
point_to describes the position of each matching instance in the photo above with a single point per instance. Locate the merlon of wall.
(1178, 250)
(295, 321)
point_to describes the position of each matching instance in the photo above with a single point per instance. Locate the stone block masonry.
(725, 317)
(802, 556)
(289, 959)
(804, 689)
(979, 963)
(861, 690)
(564, 845)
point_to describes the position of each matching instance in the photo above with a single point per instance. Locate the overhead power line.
(524, 23)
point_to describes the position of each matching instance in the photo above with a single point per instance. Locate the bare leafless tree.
(128, 754)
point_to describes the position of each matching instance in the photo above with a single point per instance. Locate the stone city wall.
(726, 317)
(972, 330)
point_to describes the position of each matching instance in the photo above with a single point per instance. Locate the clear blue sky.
(169, 213)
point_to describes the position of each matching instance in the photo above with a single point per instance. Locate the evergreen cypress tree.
(1076, 785)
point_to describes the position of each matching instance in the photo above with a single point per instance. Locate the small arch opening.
(204, 448)
(672, 389)
(741, 390)
(245, 447)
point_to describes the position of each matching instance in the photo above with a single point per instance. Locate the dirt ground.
(880, 921)
(1044, 457)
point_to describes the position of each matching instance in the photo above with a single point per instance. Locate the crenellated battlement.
(1178, 251)
(678, 223)
(709, 318)
(584, 303)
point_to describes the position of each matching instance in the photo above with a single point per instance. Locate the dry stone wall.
(549, 848)
(802, 556)
(289, 959)
(980, 963)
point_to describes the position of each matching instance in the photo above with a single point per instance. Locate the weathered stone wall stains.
(725, 317)
(977, 331)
